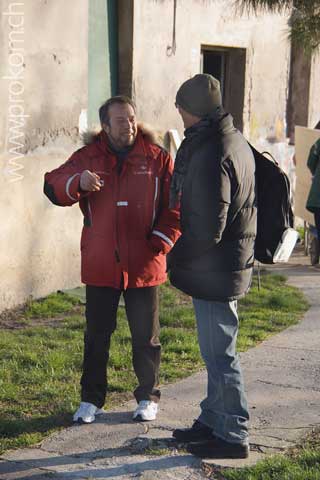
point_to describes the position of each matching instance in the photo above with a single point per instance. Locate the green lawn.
(40, 363)
(300, 463)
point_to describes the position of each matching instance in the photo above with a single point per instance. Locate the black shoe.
(218, 448)
(196, 433)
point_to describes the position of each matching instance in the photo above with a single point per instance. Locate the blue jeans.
(225, 407)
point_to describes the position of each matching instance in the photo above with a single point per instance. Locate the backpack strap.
(271, 156)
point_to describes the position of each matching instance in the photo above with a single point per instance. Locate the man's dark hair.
(104, 109)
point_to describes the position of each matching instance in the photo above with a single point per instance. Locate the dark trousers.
(142, 309)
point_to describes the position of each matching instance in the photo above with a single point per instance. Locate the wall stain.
(41, 138)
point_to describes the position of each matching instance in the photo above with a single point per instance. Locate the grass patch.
(40, 365)
(269, 310)
(54, 304)
(301, 232)
(300, 463)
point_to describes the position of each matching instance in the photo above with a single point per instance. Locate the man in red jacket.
(121, 180)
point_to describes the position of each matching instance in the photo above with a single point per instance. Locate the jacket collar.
(219, 122)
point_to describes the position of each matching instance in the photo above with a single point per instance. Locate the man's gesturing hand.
(89, 181)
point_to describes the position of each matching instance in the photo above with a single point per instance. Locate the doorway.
(228, 66)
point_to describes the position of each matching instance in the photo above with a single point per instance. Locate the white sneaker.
(86, 413)
(145, 411)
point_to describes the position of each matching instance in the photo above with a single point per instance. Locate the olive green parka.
(313, 163)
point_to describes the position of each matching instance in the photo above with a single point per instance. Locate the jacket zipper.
(155, 200)
(116, 252)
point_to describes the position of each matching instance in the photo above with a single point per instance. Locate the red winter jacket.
(128, 226)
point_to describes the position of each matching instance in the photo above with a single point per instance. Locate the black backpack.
(274, 210)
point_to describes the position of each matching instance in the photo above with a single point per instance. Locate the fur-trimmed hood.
(153, 136)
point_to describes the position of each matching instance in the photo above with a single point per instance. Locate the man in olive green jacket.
(313, 202)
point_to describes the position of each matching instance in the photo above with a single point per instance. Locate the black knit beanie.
(200, 95)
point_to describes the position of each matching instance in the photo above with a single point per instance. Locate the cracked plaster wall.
(39, 241)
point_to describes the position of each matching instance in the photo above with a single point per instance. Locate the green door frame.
(102, 55)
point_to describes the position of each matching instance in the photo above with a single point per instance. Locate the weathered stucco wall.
(314, 99)
(43, 91)
(157, 75)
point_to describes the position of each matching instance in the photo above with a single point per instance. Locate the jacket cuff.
(73, 187)
(160, 242)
